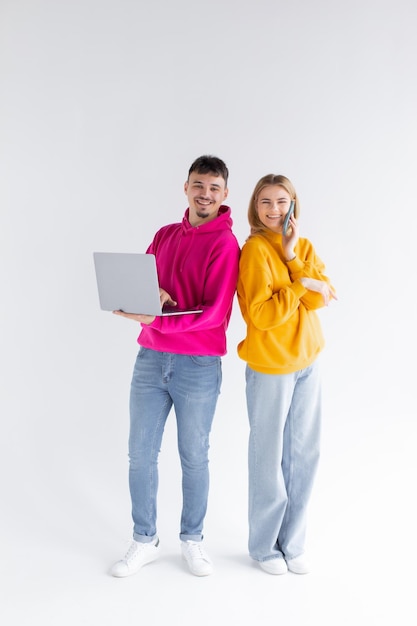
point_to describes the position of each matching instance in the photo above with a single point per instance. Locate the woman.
(281, 284)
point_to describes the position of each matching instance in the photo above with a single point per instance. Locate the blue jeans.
(284, 445)
(192, 385)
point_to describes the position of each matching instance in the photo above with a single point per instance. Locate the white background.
(104, 105)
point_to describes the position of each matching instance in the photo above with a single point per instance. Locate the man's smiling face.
(205, 193)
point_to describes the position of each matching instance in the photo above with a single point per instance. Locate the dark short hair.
(208, 164)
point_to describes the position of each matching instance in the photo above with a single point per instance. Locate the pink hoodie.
(198, 267)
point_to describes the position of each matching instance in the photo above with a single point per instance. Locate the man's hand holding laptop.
(164, 297)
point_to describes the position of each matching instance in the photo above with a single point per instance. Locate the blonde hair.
(255, 223)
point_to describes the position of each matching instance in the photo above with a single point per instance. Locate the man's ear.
(186, 187)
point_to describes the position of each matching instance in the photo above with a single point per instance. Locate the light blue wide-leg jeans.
(192, 385)
(284, 446)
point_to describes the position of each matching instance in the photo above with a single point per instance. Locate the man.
(179, 364)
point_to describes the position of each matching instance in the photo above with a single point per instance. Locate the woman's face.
(272, 206)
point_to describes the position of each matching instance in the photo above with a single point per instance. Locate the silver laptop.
(129, 282)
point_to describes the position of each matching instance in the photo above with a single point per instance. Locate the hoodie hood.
(223, 220)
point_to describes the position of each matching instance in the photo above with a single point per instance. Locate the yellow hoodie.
(283, 332)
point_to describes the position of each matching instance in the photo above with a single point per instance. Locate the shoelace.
(132, 552)
(195, 551)
(135, 549)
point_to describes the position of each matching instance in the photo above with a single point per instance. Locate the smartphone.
(287, 218)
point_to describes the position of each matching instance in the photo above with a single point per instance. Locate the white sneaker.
(196, 557)
(138, 555)
(274, 566)
(299, 565)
